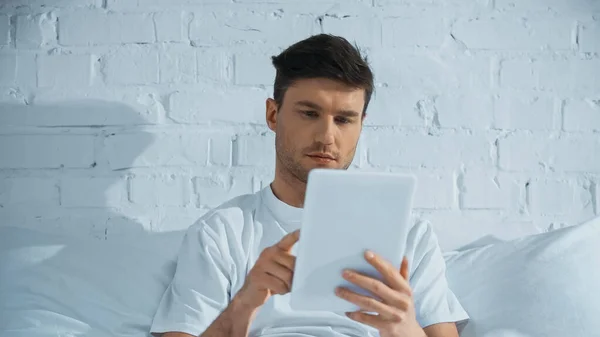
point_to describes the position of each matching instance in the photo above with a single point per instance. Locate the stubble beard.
(292, 167)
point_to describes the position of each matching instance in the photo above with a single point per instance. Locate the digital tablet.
(346, 213)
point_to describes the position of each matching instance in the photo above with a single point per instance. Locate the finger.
(389, 273)
(366, 303)
(274, 284)
(286, 260)
(375, 287)
(368, 319)
(404, 271)
(283, 273)
(289, 240)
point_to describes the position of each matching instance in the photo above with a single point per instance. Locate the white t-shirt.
(221, 247)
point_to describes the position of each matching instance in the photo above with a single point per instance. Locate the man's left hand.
(392, 302)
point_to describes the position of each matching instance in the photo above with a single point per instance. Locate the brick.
(582, 115)
(70, 114)
(93, 191)
(8, 69)
(476, 6)
(4, 30)
(434, 190)
(526, 112)
(46, 151)
(51, 70)
(514, 34)
(559, 197)
(122, 4)
(144, 149)
(160, 190)
(369, 35)
(556, 6)
(221, 150)
(575, 75)
(596, 196)
(421, 151)
(215, 104)
(98, 223)
(384, 3)
(170, 26)
(226, 27)
(213, 66)
(157, 4)
(399, 8)
(178, 66)
(426, 74)
(293, 2)
(464, 111)
(400, 32)
(482, 189)
(255, 150)
(103, 106)
(11, 98)
(18, 69)
(572, 153)
(174, 219)
(213, 190)
(132, 65)
(26, 69)
(589, 37)
(35, 31)
(86, 27)
(46, 4)
(28, 191)
(393, 107)
(252, 68)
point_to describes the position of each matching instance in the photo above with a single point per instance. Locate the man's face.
(317, 126)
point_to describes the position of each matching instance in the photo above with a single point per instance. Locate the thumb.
(404, 271)
(288, 241)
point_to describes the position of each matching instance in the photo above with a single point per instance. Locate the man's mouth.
(322, 157)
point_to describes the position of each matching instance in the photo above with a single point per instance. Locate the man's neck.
(288, 188)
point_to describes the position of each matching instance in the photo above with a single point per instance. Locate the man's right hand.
(271, 274)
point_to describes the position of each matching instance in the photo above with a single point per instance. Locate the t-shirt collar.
(288, 216)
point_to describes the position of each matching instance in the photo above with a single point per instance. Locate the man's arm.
(234, 321)
(271, 275)
(441, 330)
(200, 288)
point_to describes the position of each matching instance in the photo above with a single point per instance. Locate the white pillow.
(53, 285)
(542, 285)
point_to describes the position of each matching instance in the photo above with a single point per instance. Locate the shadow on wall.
(70, 261)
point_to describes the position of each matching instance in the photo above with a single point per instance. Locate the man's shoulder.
(421, 239)
(231, 214)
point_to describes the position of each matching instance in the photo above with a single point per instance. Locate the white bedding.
(546, 285)
(53, 285)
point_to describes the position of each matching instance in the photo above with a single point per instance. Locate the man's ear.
(271, 114)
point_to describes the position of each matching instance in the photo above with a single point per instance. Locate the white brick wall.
(145, 113)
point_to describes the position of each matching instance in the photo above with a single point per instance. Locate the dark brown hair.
(322, 56)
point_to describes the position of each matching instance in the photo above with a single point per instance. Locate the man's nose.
(326, 131)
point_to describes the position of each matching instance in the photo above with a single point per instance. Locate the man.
(236, 263)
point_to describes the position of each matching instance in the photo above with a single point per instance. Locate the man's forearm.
(234, 321)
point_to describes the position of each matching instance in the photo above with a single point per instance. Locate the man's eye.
(310, 113)
(343, 120)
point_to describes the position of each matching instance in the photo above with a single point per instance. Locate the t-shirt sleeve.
(434, 300)
(200, 288)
